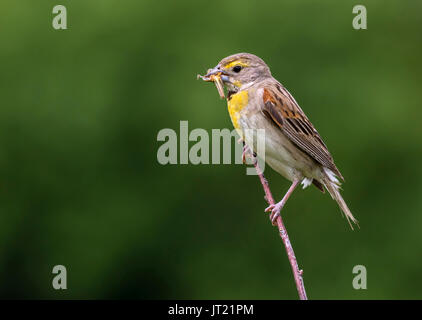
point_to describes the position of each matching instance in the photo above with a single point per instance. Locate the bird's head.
(238, 71)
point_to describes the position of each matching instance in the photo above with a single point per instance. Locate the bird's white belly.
(280, 153)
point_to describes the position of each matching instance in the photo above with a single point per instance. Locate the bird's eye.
(237, 69)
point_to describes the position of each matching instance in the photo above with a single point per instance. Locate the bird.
(293, 147)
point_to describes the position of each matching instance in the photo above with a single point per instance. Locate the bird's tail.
(332, 185)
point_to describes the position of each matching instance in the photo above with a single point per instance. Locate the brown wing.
(283, 109)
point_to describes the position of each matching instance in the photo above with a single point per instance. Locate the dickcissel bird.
(293, 146)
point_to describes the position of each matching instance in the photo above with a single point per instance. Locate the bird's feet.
(276, 208)
(275, 211)
(246, 152)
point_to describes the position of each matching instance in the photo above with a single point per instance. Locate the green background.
(80, 184)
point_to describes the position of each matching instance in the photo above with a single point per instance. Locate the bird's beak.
(217, 76)
(216, 71)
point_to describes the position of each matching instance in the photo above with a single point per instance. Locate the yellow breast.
(236, 103)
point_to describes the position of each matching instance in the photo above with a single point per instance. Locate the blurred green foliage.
(80, 184)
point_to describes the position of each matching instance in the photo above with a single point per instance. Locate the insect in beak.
(218, 77)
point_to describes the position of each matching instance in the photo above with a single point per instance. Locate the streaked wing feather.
(282, 108)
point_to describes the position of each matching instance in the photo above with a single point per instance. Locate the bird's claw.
(244, 153)
(275, 212)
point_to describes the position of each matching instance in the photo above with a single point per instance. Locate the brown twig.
(297, 273)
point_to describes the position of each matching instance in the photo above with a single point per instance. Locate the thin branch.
(297, 273)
